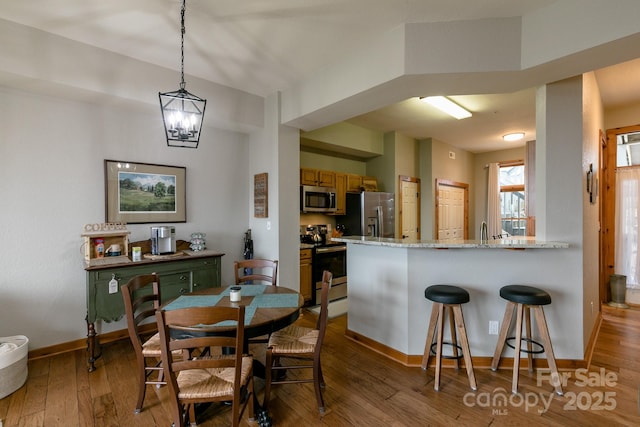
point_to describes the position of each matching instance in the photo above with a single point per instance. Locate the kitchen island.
(387, 278)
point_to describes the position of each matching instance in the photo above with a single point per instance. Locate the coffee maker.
(163, 240)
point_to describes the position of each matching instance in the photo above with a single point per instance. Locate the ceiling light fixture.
(447, 106)
(515, 136)
(182, 112)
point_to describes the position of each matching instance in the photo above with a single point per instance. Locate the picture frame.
(261, 195)
(139, 193)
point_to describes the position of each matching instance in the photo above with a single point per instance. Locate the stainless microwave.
(317, 199)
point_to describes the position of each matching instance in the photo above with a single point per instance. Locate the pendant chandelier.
(182, 112)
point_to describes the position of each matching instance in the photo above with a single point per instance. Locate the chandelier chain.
(182, 83)
(182, 112)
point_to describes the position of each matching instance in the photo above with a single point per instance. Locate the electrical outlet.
(493, 327)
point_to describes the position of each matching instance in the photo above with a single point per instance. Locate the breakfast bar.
(388, 277)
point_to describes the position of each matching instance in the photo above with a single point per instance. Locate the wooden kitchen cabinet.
(326, 179)
(306, 285)
(354, 183)
(341, 193)
(317, 177)
(308, 176)
(370, 183)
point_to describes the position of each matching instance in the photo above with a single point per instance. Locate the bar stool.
(523, 299)
(451, 298)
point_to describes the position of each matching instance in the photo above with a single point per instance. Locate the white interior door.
(451, 212)
(410, 192)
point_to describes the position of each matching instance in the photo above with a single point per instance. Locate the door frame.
(401, 179)
(607, 190)
(449, 183)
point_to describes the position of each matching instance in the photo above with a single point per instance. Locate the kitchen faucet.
(483, 232)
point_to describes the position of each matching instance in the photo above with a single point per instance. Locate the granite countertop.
(306, 246)
(509, 243)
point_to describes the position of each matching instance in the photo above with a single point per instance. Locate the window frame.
(515, 188)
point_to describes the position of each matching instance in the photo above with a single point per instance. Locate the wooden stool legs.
(436, 327)
(523, 311)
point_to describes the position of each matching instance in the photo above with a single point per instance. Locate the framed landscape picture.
(137, 193)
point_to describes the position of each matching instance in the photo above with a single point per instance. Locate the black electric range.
(327, 255)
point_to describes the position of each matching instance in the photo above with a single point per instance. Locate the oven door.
(334, 259)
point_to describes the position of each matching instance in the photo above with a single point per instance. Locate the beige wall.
(382, 167)
(346, 135)
(458, 169)
(406, 161)
(621, 116)
(338, 164)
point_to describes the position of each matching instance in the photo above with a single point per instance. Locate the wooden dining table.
(267, 308)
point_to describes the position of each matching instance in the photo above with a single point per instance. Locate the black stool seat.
(446, 294)
(522, 294)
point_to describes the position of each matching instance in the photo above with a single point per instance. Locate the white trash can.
(13, 363)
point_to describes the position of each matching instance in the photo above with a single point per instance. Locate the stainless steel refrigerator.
(369, 214)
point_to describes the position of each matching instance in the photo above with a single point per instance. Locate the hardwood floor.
(363, 389)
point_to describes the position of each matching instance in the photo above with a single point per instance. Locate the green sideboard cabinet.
(178, 275)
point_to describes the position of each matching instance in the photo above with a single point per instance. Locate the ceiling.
(264, 46)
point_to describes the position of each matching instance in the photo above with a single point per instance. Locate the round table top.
(268, 308)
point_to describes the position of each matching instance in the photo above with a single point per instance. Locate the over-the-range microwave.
(317, 199)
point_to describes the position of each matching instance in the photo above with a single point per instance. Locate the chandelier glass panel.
(182, 112)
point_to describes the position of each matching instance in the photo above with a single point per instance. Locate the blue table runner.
(260, 300)
(187, 301)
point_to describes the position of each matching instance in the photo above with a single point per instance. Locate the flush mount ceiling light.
(447, 106)
(515, 136)
(182, 112)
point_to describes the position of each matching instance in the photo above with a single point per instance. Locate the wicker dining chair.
(256, 270)
(209, 373)
(295, 344)
(141, 297)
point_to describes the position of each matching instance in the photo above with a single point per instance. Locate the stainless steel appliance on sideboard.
(370, 213)
(163, 240)
(326, 255)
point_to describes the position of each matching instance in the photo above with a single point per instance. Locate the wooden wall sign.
(261, 195)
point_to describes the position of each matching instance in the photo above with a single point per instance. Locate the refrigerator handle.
(380, 222)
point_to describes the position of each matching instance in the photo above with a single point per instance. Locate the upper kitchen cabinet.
(354, 183)
(369, 183)
(341, 193)
(317, 177)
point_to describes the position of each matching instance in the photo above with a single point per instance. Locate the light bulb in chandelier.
(182, 126)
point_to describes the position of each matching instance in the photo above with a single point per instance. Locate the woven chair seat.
(211, 383)
(151, 347)
(294, 340)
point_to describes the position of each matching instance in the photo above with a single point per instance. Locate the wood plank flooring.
(363, 389)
